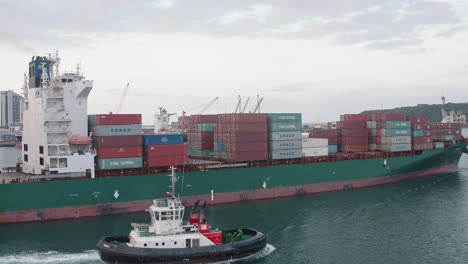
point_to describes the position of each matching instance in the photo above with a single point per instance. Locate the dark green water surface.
(417, 221)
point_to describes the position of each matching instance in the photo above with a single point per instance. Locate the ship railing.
(141, 227)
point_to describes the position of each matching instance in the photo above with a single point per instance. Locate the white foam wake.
(90, 256)
(261, 254)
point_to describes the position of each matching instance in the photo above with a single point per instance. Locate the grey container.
(284, 144)
(285, 135)
(116, 130)
(397, 140)
(398, 147)
(286, 154)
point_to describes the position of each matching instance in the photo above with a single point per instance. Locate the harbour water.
(417, 221)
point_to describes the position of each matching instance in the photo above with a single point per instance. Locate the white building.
(11, 108)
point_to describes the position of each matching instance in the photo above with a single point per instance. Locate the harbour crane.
(207, 106)
(122, 99)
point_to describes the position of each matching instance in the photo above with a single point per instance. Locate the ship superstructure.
(55, 134)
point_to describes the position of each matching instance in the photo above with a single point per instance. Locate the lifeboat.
(79, 141)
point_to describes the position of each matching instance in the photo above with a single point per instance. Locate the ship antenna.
(173, 180)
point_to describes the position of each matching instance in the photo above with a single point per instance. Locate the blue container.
(169, 139)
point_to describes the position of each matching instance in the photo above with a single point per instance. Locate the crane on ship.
(122, 99)
(183, 125)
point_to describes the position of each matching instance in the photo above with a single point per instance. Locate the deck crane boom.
(122, 99)
(207, 106)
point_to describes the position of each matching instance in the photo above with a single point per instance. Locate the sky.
(318, 58)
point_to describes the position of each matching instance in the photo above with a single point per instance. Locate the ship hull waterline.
(217, 198)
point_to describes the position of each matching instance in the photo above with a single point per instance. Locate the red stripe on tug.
(205, 229)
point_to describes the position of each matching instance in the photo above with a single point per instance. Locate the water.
(417, 221)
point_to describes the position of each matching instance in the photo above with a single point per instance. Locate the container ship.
(79, 165)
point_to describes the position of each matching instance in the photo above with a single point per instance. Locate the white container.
(285, 135)
(314, 142)
(315, 152)
(284, 144)
(371, 124)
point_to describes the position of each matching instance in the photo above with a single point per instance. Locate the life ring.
(236, 251)
(141, 259)
(212, 254)
(178, 258)
(147, 259)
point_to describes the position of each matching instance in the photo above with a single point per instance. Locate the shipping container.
(200, 145)
(285, 117)
(398, 124)
(205, 127)
(119, 152)
(249, 127)
(323, 133)
(361, 132)
(418, 119)
(218, 146)
(165, 150)
(390, 132)
(201, 153)
(315, 152)
(439, 145)
(249, 146)
(355, 117)
(195, 119)
(354, 124)
(371, 124)
(249, 118)
(354, 140)
(421, 133)
(117, 141)
(444, 137)
(422, 140)
(396, 147)
(314, 142)
(396, 140)
(354, 148)
(122, 163)
(163, 139)
(332, 148)
(420, 127)
(249, 136)
(388, 117)
(247, 156)
(285, 144)
(288, 126)
(114, 119)
(333, 141)
(163, 161)
(423, 146)
(286, 154)
(116, 130)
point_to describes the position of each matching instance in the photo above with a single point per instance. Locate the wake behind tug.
(167, 239)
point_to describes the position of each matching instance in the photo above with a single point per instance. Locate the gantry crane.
(122, 99)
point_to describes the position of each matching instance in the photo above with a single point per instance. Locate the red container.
(118, 119)
(332, 141)
(355, 140)
(195, 119)
(201, 145)
(119, 152)
(118, 141)
(373, 140)
(354, 124)
(418, 119)
(166, 150)
(421, 140)
(360, 132)
(248, 155)
(388, 117)
(356, 117)
(423, 146)
(169, 160)
(420, 126)
(324, 133)
(249, 137)
(249, 146)
(355, 148)
(249, 118)
(249, 127)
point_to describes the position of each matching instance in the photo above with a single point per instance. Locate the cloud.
(385, 24)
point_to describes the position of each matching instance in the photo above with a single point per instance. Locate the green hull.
(32, 197)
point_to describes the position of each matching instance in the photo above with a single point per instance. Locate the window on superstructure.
(25, 147)
(25, 157)
(41, 149)
(41, 161)
(175, 242)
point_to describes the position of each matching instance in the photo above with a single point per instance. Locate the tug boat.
(168, 239)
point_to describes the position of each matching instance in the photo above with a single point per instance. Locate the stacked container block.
(200, 135)
(444, 132)
(354, 133)
(389, 132)
(241, 137)
(165, 150)
(117, 139)
(331, 136)
(420, 133)
(284, 135)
